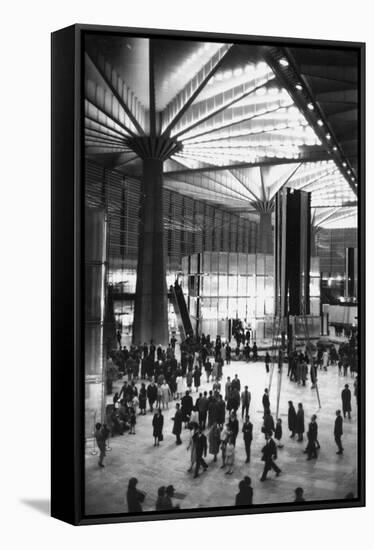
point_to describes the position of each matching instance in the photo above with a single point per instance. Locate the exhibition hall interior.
(221, 186)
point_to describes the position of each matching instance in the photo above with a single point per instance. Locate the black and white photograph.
(222, 261)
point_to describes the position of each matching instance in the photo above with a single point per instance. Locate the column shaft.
(265, 235)
(151, 313)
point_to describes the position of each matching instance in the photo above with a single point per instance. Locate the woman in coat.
(142, 399)
(197, 378)
(189, 378)
(291, 418)
(214, 439)
(158, 424)
(230, 456)
(299, 424)
(191, 445)
(165, 395)
(180, 386)
(177, 426)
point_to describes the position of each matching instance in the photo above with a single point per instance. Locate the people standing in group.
(247, 430)
(312, 436)
(134, 497)
(338, 432)
(100, 437)
(177, 426)
(346, 401)
(299, 423)
(158, 424)
(269, 454)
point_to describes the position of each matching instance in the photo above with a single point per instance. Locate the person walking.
(346, 401)
(278, 432)
(233, 426)
(268, 425)
(214, 439)
(100, 437)
(192, 446)
(266, 401)
(299, 423)
(134, 497)
(177, 426)
(201, 451)
(142, 399)
(158, 423)
(225, 435)
(312, 436)
(247, 430)
(246, 401)
(151, 394)
(197, 378)
(267, 362)
(269, 454)
(291, 419)
(338, 432)
(230, 455)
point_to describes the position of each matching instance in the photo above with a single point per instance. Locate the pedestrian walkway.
(329, 477)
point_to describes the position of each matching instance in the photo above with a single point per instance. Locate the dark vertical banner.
(292, 252)
(351, 272)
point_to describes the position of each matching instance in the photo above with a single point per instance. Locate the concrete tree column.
(265, 235)
(151, 311)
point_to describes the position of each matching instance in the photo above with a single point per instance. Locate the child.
(278, 433)
(132, 420)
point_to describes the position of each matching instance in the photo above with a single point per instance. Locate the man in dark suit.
(269, 454)
(312, 436)
(246, 400)
(338, 432)
(266, 401)
(346, 401)
(201, 450)
(187, 404)
(247, 436)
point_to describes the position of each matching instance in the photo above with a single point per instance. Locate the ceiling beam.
(268, 162)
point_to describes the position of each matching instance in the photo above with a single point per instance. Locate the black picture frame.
(67, 388)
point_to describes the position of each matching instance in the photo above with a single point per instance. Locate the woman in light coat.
(166, 394)
(180, 386)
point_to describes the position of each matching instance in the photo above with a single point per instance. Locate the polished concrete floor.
(331, 476)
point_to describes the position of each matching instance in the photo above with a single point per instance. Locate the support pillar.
(265, 235)
(151, 311)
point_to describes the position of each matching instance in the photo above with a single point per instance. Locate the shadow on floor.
(41, 505)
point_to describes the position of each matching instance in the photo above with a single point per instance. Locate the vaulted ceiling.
(234, 122)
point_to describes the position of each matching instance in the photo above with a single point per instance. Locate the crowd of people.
(156, 379)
